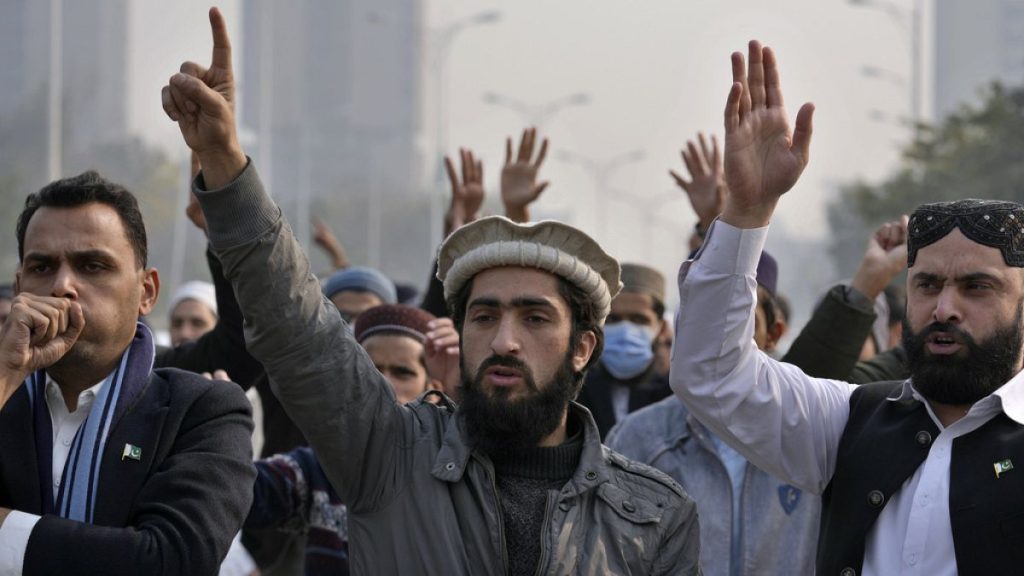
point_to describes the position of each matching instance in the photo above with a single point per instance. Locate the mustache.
(507, 362)
(947, 328)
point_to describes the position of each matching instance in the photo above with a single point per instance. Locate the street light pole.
(901, 16)
(441, 43)
(915, 64)
(537, 115)
(600, 172)
(55, 100)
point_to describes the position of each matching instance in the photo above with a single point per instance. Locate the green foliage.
(977, 152)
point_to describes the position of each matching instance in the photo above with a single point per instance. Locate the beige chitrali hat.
(551, 246)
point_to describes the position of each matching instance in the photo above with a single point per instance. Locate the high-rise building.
(93, 78)
(976, 43)
(330, 101)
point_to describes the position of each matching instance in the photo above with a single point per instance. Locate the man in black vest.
(917, 477)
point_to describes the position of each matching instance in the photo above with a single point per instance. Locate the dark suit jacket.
(596, 395)
(174, 511)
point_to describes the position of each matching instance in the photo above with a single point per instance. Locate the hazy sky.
(656, 72)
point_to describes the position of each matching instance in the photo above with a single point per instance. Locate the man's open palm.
(763, 158)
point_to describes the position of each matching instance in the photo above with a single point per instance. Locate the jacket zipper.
(545, 528)
(501, 520)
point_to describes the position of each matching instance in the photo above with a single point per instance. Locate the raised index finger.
(221, 41)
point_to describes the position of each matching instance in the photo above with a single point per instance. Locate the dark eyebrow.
(78, 255)
(485, 302)
(101, 255)
(972, 277)
(531, 302)
(518, 302)
(978, 276)
(37, 257)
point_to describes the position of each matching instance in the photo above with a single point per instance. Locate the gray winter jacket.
(420, 499)
(779, 531)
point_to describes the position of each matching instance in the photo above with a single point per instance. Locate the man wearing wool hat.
(358, 288)
(919, 476)
(513, 481)
(625, 379)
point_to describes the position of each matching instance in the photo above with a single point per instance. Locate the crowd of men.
(534, 411)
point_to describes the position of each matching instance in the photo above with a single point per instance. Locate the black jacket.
(174, 511)
(223, 348)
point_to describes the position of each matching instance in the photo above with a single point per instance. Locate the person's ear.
(584, 350)
(150, 290)
(775, 333)
(663, 331)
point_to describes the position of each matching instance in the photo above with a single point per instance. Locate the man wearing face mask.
(625, 379)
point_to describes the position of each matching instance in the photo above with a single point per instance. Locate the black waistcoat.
(882, 446)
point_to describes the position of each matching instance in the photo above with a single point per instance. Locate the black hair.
(86, 188)
(768, 304)
(659, 308)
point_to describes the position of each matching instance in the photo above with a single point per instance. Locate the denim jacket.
(779, 532)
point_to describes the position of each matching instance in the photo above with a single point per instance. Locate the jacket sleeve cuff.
(14, 535)
(238, 212)
(731, 250)
(857, 301)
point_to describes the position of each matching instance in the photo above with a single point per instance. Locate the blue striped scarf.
(81, 478)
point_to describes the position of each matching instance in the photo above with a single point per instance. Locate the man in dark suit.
(626, 378)
(107, 465)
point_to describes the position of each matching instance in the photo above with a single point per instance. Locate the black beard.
(497, 424)
(960, 379)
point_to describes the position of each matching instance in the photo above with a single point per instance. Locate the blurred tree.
(976, 152)
(152, 175)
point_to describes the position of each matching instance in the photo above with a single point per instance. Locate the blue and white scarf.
(81, 478)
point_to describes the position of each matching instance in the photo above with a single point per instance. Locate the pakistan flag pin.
(1002, 466)
(135, 453)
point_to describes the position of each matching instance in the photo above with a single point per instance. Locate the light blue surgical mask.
(628, 349)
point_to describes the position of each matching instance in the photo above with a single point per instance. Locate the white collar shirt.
(17, 528)
(65, 424)
(790, 424)
(913, 535)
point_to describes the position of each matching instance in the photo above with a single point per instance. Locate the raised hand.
(467, 194)
(39, 331)
(441, 354)
(706, 188)
(763, 158)
(329, 243)
(202, 102)
(884, 258)
(519, 186)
